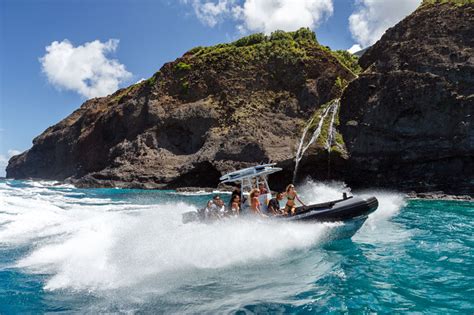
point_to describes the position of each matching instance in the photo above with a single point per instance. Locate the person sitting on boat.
(262, 189)
(237, 192)
(274, 205)
(215, 208)
(291, 195)
(220, 205)
(255, 203)
(234, 205)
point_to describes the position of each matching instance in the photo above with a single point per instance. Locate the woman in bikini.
(255, 203)
(291, 195)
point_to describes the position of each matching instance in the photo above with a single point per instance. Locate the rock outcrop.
(407, 121)
(213, 110)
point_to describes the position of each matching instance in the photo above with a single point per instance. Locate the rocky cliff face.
(407, 120)
(213, 110)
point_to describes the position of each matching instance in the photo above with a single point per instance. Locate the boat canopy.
(250, 172)
(250, 178)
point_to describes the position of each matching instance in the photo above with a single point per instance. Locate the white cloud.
(373, 17)
(287, 15)
(13, 152)
(211, 12)
(354, 48)
(4, 160)
(84, 69)
(264, 15)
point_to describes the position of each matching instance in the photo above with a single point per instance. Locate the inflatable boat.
(341, 210)
(351, 209)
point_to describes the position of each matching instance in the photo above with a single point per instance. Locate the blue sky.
(149, 33)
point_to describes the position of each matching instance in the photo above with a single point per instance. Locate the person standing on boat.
(255, 203)
(291, 195)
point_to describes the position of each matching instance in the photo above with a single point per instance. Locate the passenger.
(255, 203)
(235, 205)
(274, 205)
(207, 212)
(262, 189)
(215, 208)
(220, 206)
(291, 194)
(237, 192)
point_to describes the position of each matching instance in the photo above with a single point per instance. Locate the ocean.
(70, 250)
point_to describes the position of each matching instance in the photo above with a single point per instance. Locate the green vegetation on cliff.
(182, 66)
(289, 47)
(301, 36)
(349, 60)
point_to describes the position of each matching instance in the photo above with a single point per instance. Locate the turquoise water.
(72, 250)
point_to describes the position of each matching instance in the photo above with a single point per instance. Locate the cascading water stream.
(317, 132)
(331, 130)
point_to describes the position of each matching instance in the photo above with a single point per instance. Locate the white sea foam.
(200, 193)
(116, 249)
(390, 202)
(316, 192)
(378, 227)
(99, 244)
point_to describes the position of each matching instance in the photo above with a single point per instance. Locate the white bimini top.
(250, 172)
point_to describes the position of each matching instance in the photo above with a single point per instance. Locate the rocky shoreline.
(438, 195)
(434, 195)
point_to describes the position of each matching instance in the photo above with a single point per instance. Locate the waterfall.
(331, 134)
(316, 133)
(330, 139)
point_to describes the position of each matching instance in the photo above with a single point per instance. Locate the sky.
(56, 54)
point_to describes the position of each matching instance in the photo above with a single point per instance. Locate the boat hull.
(336, 211)
(354, 209)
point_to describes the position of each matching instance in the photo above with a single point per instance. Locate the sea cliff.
(211, 111)
(404, 121)
(407, 120)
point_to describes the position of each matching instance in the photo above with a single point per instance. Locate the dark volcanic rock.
(438, 195)
(213, 110)
(408, 119)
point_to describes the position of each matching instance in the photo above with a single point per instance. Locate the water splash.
(101, 244)
(134, 254)
(331, 108)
